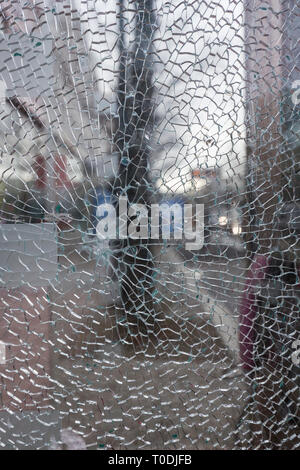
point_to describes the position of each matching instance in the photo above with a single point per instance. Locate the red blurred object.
(249, 310)
(204, 173)
(60, 170)
(39, 167)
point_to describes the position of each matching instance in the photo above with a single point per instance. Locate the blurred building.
(50, 123)
(272, 118)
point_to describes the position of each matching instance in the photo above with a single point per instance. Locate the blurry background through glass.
(144, 344)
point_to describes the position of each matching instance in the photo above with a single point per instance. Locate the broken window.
(150, 217)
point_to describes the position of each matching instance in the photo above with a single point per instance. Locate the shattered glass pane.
(150, 219)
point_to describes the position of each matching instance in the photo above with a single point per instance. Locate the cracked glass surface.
(141, 343)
